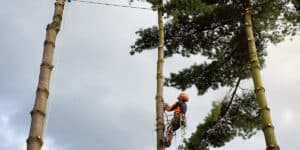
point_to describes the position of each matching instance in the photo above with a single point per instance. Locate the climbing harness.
(182, 122)
(228, 98)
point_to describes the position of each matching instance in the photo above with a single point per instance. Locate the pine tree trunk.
(38, 114)
(159, 88)
(265, 115)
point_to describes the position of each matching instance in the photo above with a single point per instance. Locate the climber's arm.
(172, 107)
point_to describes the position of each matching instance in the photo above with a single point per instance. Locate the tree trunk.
(38, 114)
(159, 88)
(261, 99)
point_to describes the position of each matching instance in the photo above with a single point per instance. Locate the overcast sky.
(103, 98)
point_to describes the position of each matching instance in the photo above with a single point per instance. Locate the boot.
(168, 139)
(166, 142)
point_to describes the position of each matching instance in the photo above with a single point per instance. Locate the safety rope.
(175, 141)
(167, 120)
(182, 133)
(204, 133)
(114, 5)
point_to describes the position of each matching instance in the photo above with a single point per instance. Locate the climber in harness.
(179, 108)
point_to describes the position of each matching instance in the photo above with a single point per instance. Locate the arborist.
(179, 119)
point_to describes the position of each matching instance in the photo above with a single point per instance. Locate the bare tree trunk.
(38, 114)
(159, 88)
(265, 115)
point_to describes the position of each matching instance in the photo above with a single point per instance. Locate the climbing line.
(232, 96)
(182, 135)
(176, 141)
(114, 5)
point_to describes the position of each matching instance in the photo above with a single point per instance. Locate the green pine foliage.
(242, 120)
(215, 29)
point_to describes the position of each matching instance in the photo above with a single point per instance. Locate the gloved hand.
(166, 106)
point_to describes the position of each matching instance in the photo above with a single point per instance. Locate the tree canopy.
(215, 29)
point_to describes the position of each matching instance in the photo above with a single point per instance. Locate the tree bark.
(159, 88)
(261, 99)
(38, 113)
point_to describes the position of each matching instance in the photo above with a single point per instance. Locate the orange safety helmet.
(183, 97)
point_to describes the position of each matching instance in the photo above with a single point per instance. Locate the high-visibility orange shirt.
(174, 107)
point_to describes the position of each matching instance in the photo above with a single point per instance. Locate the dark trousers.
(174, 124)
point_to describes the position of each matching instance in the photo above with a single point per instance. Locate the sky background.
(103, 98)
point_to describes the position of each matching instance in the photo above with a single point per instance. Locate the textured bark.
(265, 115)
(159, 88)
(38, 114)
